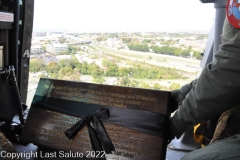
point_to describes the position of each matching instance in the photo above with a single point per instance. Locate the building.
(36, 49)
(56, 48)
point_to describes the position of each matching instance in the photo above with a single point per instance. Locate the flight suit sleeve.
(179, 95)
(217, 90)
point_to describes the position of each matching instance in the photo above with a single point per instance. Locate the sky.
(123, 14)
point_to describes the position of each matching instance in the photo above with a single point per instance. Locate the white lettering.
(25, 155)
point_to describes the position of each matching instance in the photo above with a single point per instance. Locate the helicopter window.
(145, 44)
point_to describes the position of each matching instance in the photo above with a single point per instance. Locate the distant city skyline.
(123, 15)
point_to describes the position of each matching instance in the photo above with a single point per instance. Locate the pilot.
(215, 92)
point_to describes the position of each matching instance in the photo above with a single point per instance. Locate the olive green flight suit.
(216, 92)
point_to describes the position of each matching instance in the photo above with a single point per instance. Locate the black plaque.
(46, 128)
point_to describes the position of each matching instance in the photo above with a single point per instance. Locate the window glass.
(146, 44)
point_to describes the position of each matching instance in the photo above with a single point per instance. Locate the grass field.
(188, 65)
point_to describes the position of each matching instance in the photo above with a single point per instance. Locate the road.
(182, 64)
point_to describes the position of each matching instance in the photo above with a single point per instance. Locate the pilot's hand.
(175, 98)
(176, 127)
(179, 95)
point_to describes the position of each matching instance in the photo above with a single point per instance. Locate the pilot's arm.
(217, 89)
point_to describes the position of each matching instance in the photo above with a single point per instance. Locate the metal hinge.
(26, 54)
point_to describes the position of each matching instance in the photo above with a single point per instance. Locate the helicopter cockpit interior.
(16, 26)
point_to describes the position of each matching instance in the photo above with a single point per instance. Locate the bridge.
(79, 43)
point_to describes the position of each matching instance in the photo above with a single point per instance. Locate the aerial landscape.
(152, 60)
(110, 43)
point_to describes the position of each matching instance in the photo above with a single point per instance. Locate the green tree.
(36, 65)
(123, 71)
(49, 42)
(147, 40)
(167, 50)
(186, 53)
(134, 83)
(112, 70)
(85, 68)
(96, 71)
(44, 48)
(54, 76)
(156, 86)
(197, 54)
(174, 86)
(144, 85)
(100, 80)
(113, 35)
(52, 67)
(64, 70)
(73, 63)
(164, 50)
(126, 40)
(178, 52)
(73, 49)
(125, 81)
(75, 76)
(138, 47)
(62, 40)
(99, 39)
